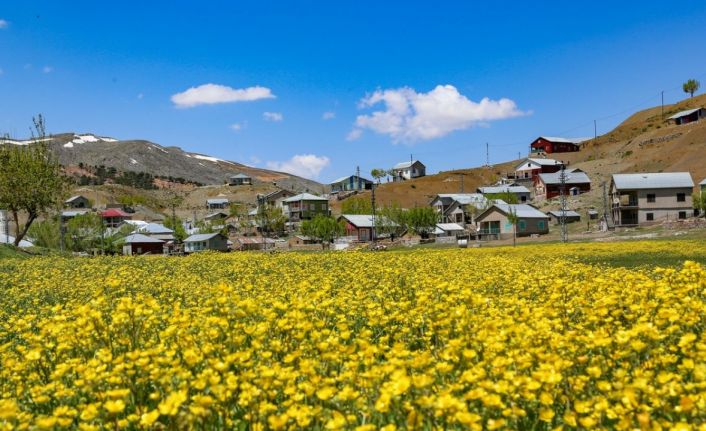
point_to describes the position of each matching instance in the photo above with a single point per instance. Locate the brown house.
(551, 144)
(548, 186)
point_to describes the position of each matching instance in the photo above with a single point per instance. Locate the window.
(649, 216)
(682, 215)
(651, 197)
(522, 225)
(540, 225)
(681, 197)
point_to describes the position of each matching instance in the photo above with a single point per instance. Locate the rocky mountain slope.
(144, 156)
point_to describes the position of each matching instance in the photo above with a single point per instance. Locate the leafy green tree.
(175, 224)
(31, 180)
(699, 201)
(322, 228)
(421, 220)
(270, 219)
(513, 219)
(356, 205)
(691, 86)
(378, 174)
(390, 220)
(83, 232)
(45, 233)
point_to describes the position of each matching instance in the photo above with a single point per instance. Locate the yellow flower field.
(524, 338)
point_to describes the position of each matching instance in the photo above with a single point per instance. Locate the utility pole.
(662, 92)
(595, 131)
(372, 205)
(461, 175)
(487, 155)
(562, 199)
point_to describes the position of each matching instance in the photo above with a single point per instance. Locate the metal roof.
(201, 237)
(73, 213)
(683, 113)
(140, 238)
(73, 198)
(114, 212)
(305, 197)
(404, 165)
(575, 141)
(240, 176)
(449, 226)
(541, 162)
(522, 210)
(339, 180)
(703, 182)
(217, 201)
(362, 220)
(658, 180)
(568, 213)
(573, 177)
(503, 189)
(154, 228)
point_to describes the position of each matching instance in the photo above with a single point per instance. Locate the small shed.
(245, 243)
(217, 203)
(298, 240)
(240, 180)
(448, 229)
(592, 214)
(217, 216)
(137, 244)
(688, 116)
(77, 202)
(570, 216)
(206, 241)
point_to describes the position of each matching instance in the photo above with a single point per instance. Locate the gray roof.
(404, 165)
(201, 237)
(541, 162)
(703, 182)
(217, 201)
(362, 220)
(659, 180)
(683, 113)
(73, 198)
(575, 141)
(154, 228)
(140, 238)
(305, 197)
(568, 213)
(449, 226)
(571, 177)
(522, 210)
(503, 189)
(463, 198)
(73, 213)
(339, 180)
(240, 176)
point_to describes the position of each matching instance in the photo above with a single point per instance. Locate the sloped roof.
(73, 198)
(254, 240)
(463, 198)
(683, 113)
(658, 180)
(503, 189)
(568, 213)
(201, 237)
(522, 211)
(140, 238)
(573, 177)
(114, 212)
(240, 176)
(305, 197)
(363, 220)
(155, 228)
(404, 165)
(575, 141)
(339, 180)
(217, 201)
(541, 162)
(449, 226)
(73, 213)
(703, 182)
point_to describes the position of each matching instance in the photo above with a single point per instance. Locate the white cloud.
(47, 69)
(329, 115)
(410, 116)
(3, 23)
(209, 94)
(303, 165)
(354, 134)
(272, 116)
(237, 126)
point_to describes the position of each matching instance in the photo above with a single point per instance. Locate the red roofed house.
(548, 144)
(114, 217)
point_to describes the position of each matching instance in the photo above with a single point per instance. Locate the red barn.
(549, 144)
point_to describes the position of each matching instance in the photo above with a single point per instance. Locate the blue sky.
(319, 88)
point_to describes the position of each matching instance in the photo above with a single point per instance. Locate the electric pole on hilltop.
(662, 104)
(461, 175)
(487, 155)
(372, 205)
(562, 211)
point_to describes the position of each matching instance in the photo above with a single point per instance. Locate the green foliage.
(379, 174)
(31, 181)
(390, 220)
(270, 219)
(356, 205)
(699, 201)
(175, 224)
(421, 220)
(323, 228)
(508, 197)
(691, 86)
(45, 233)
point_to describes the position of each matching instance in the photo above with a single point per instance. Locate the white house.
(408, 170)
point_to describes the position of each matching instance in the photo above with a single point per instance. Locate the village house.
(551, 144)
(275, 198)
(350, 183)
(156, 230)
(217, 216)
(138, 244)
(246, 243)
(67, 215)
(569, 216)
(114, 217)
(301, 240)
(360, 226)
(688, 116)
(217, 203)
(645, 198)
(548, 186)
(458, 207)
(408, 170)
(77, 202)
(305, 206)
(448, 230)
(522, 193)
(205, 241)
(239, 180)
(531, 167)
(494, 223)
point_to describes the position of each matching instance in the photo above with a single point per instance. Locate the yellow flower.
(147, 419)
(114, 406)
(170, 405)
(546, 415)
(325, 393)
